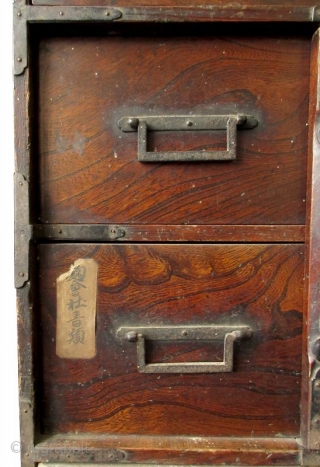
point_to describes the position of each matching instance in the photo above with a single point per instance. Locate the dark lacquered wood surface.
(171, 3)
(255, 285)
(84, 170)
(179, 12)
(172, 450)
(89, 170)
(310, 400)
(96, 233)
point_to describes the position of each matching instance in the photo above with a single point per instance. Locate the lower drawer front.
(196, 287)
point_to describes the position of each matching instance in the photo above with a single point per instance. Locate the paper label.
(76, 310)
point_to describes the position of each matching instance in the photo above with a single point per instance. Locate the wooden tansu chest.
(168, 232)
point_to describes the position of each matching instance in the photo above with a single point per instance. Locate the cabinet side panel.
(311, 392)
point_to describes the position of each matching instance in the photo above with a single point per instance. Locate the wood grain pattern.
(84, 170)
(171, 233)
(177, 3)
(311, 409)
(25, 325)
(88, 167)
(256, 285)
(143, 450)
(235, 12)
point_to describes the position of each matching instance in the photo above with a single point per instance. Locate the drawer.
(88, 168)
(182, 299)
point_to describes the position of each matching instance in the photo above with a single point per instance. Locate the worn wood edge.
(42, 464)
(180, 451)
(311, 459)
(169, 442)
(170, 233)
(167, 450)
(216, 458)
(26, 376)
(310, 432)
(24, 306)
(79, 464)
(228, 12)
(179, 457)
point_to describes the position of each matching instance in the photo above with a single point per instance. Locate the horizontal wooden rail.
(169, 233)
(244, 13)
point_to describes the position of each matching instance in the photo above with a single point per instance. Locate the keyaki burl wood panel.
(256, 285)
(88, 168)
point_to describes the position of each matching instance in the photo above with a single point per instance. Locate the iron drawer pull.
(185, 123)
(185, 333)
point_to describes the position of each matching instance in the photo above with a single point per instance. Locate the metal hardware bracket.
(316, 14)
(314, 442)
(78, 232)
(27, 424)
(23, 230)
(187, 123)
(185, 333)
(25, 14)
(315, 412)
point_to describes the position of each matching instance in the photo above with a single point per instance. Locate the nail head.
(131, 336)
(133, 122)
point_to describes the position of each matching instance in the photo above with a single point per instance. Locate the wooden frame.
(59, 450)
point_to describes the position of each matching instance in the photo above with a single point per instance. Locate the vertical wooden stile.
(311, 378)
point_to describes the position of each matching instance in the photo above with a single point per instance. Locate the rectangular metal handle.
(185, 333)
(186, 122)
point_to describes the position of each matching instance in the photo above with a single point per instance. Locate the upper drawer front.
(89, 170)
(190, 286)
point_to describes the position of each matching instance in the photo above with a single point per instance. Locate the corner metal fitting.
(24, 14)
